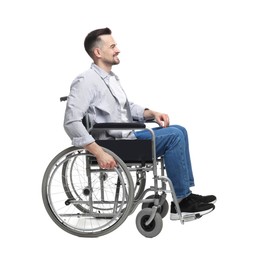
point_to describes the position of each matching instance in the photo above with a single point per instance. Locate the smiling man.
(98, 93)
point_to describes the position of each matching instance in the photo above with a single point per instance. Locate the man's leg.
(172, 143)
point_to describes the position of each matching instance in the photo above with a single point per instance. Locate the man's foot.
(190, 209)
(203, 199)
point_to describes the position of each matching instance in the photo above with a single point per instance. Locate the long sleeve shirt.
(92, 95)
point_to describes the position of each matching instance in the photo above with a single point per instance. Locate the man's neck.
(104, 67)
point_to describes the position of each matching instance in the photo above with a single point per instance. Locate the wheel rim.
(79, 218)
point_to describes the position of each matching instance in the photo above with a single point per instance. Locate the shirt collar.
(103, 74)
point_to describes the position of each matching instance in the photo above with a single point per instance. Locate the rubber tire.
(154, 228)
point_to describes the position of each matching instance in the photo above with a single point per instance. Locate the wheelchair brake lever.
(63, 98)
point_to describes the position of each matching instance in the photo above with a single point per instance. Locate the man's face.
(108, 50)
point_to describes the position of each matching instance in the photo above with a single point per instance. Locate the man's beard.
(116, 60)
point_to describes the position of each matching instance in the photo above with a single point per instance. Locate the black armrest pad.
(119, 126)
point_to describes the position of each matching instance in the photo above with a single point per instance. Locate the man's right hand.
(105, 161)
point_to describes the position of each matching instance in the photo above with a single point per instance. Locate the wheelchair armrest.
(119, 126)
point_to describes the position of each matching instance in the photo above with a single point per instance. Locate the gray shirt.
(90, 95)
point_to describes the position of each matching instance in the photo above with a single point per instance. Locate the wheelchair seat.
(130, 151)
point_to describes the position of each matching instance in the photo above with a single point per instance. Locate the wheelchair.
(87, 201)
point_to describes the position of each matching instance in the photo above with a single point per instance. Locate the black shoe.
(190, 209)
(203, 199)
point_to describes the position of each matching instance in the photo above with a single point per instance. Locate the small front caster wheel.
(163, 210)
(151, 230)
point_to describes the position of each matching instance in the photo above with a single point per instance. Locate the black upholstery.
(119, 126)
(130, 151)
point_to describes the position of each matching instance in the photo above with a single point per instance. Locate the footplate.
(191, 217)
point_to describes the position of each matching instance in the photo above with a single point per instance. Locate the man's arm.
(139, 113)
(78, 102)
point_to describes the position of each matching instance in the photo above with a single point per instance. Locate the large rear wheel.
(83, 199)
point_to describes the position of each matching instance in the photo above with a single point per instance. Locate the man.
(98, 93)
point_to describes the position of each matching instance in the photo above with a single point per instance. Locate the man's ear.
(97, 52)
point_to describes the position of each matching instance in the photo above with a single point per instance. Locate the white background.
(195, 60)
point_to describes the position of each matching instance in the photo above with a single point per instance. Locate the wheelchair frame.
(72, 187)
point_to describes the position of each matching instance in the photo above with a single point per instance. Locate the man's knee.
(181, 128)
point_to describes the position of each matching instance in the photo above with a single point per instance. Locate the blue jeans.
(172, 144)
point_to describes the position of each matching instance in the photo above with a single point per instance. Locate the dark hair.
(92, 38)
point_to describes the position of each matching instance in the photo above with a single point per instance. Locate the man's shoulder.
(88, 74)
(87, 77)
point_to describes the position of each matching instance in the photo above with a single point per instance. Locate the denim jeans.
(172, 144)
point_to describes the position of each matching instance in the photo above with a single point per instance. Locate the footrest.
(191, 217)
(185, 217)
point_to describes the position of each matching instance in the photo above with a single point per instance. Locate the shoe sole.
(187, 216)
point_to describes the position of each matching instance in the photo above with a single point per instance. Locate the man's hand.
(105, 161)
(161, 118)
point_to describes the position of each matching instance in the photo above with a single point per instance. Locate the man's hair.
(93, 38)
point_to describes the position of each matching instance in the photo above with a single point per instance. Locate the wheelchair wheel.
(83, 199)
(163, 210)
(151, 230)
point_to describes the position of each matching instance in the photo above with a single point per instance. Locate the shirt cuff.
(82, 141)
